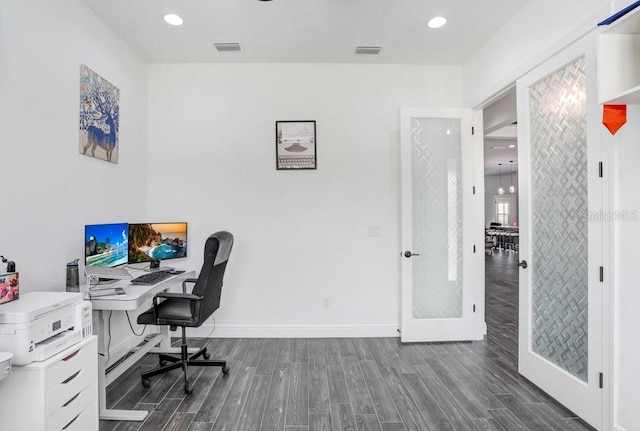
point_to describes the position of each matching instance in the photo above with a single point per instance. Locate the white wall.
(538, 29)
(300, 235)
(501, 113)
(50, 191)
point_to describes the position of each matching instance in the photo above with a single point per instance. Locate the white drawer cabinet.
(59, 394)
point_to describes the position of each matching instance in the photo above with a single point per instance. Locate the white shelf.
(619, 61)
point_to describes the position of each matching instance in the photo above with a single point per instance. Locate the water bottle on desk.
(73, 281)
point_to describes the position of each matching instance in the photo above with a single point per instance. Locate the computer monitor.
(157, 241)
(106, 244)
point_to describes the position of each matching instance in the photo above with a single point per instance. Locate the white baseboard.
(288, 331)
(482, 331)
(618, 428)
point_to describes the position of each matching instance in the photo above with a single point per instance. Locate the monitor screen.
(157, 241)
(106, 244)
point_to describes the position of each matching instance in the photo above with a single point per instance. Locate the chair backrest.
(217, 249)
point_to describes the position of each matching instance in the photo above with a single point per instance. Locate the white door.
(560, 329)
(439, 225)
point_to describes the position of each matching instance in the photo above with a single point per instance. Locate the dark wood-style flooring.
(355, 383)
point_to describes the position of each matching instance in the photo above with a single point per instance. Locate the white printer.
(41, 324)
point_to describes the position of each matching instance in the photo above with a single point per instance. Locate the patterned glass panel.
(437, 218)
(559, 218)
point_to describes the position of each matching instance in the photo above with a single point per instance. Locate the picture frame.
(99, 116)
(296, 145)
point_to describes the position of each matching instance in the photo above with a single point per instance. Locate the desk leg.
(104, 413)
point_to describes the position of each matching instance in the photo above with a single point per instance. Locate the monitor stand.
(161, 268)
(105, 281)
(154, 266)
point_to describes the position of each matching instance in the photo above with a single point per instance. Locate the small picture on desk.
(9, 287)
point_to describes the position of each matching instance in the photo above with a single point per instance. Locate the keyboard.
(116, 273)
(151, 278)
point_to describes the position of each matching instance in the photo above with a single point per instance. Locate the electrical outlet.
(374, 230)
(326, 302)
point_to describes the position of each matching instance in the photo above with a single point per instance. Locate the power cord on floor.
(109, 340)
(214, 327)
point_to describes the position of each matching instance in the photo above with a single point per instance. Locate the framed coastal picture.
(296, 145)
(99, 116)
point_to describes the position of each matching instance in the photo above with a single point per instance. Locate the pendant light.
(500, 190)
(511, 189)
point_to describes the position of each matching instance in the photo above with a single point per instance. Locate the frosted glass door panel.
(437, 217)
(559, 192)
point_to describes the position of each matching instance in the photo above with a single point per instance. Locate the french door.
(438, 225)
(560, 328)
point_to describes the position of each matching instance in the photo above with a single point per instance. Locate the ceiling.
(501, 151)
(501, 134)
(306, 30)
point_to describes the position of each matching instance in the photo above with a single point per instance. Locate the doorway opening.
(501, 225)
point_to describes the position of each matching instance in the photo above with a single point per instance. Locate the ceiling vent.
(227, 46)
(372, 50)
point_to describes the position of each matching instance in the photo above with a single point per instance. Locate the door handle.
(409, 254)
(523, 264)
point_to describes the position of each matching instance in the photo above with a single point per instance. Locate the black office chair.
(191, 309)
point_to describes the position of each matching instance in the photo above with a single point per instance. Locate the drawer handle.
(71, 400)
(71, 355)
(73, 376)
(72, 421)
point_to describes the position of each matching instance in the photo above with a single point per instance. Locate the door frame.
(473, 179)
(496, 90)
(601, 239)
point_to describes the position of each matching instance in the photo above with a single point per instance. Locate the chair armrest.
(188, 280)
(195, 300)
(189, 296)
(175, 296)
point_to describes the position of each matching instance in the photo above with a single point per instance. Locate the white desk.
(136, 297)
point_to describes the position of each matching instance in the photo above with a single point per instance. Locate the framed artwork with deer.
(99, 116)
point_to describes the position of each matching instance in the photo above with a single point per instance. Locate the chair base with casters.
(184, 361)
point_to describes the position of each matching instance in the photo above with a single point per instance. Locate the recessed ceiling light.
(173, 19)
(437, 22)
(512, 146)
